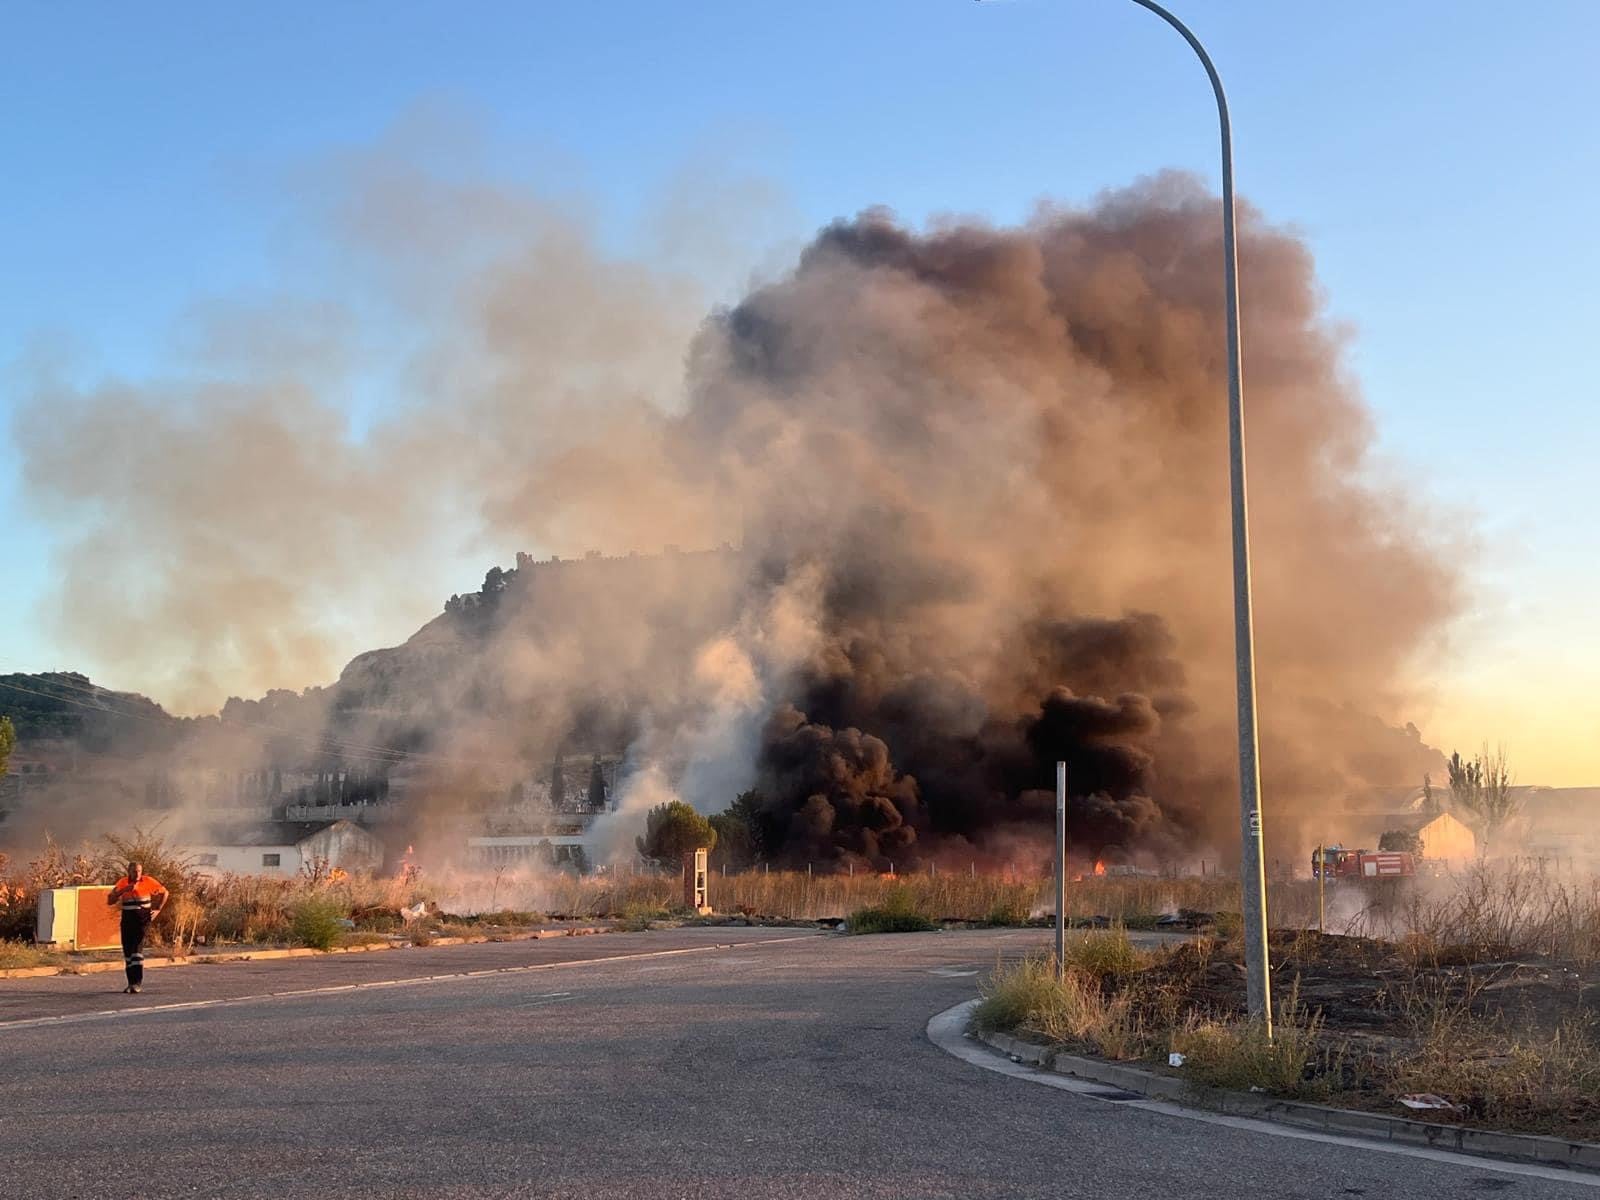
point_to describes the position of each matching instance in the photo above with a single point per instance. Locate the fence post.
(1061, 870)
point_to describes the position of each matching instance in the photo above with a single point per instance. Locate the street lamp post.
(1252, 875)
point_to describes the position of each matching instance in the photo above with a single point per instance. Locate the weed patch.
(898, 913)
(318, 922)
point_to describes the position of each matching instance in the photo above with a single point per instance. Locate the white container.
(58, 919)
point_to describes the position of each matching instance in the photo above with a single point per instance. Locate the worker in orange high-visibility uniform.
(142, 897)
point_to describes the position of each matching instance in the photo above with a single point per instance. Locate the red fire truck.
(1336, 862)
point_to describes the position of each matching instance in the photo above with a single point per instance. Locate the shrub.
(637, 918)
(1074, 1009)
(161, 860)
(1008, 910)
(317, 922)
(897, 914)
(1102, 955)
(1239, 1056)
(1012, 997)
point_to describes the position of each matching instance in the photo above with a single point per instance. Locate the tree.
(742, 830)
(1430, 798)
(597, 786)
(558, 784)
(735, 844)
(1401, 839)
(672, 832)
(8, 743)
(1480, 787)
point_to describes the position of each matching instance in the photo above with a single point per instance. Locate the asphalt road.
(779, 1066)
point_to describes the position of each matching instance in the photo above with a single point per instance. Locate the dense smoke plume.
(977, 479)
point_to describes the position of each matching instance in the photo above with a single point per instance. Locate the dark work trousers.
(135, 924)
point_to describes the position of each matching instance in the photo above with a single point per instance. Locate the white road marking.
(546, 999)
(335, 989)
(947, 1030)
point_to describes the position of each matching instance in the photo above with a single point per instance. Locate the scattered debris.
(1429, 1101)
(414, 912)
(1186, 918)
(1175, 1059)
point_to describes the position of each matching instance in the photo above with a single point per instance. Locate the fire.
(1099, 868)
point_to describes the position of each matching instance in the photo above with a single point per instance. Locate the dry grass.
(1483, 997)
(21, 955)
(897, 913)
(1087, 1007)
(1546, 1083)
(1101, 956)
(1239, 1056)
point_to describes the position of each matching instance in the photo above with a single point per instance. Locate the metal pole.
(1322, 909)
(1252, 876)
(1061, 870)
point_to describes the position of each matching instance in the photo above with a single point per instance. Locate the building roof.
(260, 833)
(1370, 801)
(1410, 821)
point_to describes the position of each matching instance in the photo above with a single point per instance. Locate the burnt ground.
(1509, 1038)
(1363, 985)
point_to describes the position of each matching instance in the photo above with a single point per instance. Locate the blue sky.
(1438, 156)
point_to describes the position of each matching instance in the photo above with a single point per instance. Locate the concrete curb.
(99, 966)
(1484, 1143)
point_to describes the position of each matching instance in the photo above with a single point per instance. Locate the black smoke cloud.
(996, 460)
(942, 770)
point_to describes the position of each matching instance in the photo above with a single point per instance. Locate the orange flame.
(1099, 868)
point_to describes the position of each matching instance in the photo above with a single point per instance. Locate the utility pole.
(1322, 875)
(1252, 875)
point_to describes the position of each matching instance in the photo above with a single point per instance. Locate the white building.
(285, 848)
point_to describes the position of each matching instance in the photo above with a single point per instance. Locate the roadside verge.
(1131, 1083)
